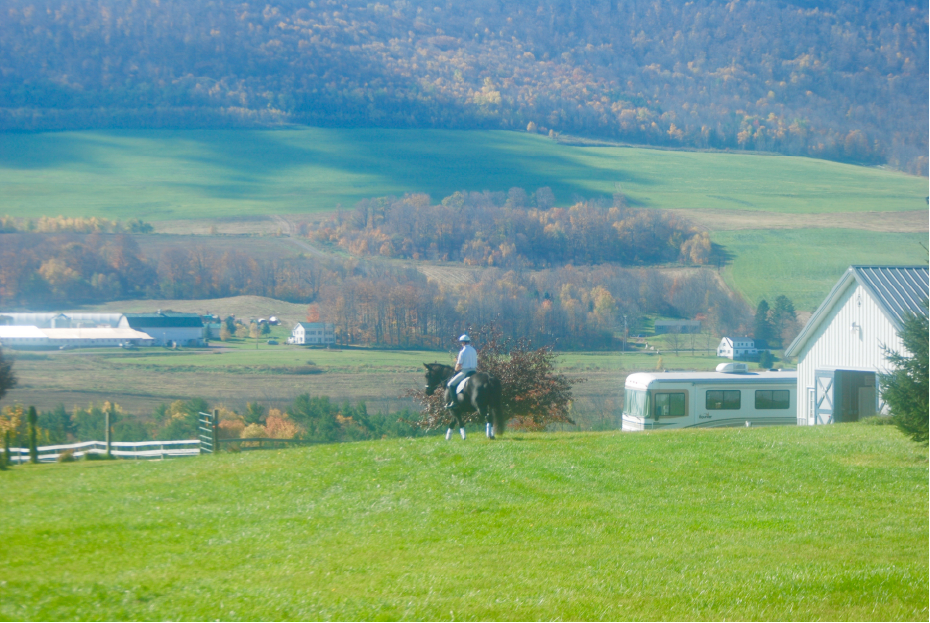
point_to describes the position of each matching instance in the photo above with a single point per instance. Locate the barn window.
(668, 404)
(773, 399)
(720, 399)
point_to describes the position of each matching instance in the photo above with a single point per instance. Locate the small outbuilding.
(842, 348)
(677, 326)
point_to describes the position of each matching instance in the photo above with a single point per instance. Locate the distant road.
(288, 230)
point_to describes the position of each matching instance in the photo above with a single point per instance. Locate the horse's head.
(436, 375)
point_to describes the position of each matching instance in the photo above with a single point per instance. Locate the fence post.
(31, 419)
(216, 430)
(106, 434)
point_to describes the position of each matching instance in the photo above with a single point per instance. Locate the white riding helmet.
(464, 338)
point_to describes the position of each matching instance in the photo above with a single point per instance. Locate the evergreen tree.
(783, 317)
(7, 378)
(763, 323)
(905, 388)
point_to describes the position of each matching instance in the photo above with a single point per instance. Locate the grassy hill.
(782, 523)
(187, 181)
(161, 175)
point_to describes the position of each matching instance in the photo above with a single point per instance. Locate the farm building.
(167, 328)
(677, 326)
(313, 333)
(96, 337)
(62, 320)
(19, 336)
(842, 347)
(741, 348)
(29, 337)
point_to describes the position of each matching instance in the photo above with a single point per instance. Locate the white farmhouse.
(842, 347)
(740, 347)
(313, 333)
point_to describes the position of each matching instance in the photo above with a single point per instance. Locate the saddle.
(461, 386)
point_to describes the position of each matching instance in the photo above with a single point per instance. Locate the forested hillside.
(370, 302)
(844, 80)
(514, 230)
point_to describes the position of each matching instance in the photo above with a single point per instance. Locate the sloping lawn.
(777, 524)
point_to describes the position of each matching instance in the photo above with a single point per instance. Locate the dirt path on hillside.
(915, 221)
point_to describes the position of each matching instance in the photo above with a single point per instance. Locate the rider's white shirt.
(468, 357)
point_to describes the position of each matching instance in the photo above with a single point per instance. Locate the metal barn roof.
(162, 320)
(895, 289)
(898, 289)
(20, 332)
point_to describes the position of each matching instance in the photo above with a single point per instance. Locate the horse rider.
(465, 366)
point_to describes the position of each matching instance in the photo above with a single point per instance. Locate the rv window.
(719, 399)
(634, 402)
(669, 405)
(773, 399)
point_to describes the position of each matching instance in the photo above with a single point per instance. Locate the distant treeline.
(514, 230)
(370, 303)
(80, 225)
(311, 418)
(838, 79)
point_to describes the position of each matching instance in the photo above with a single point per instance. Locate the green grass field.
(825, 523)
(163, 175)
(805, 264)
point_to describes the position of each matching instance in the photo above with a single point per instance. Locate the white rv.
(731, 396)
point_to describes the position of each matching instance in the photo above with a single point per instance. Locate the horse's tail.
(496, 406)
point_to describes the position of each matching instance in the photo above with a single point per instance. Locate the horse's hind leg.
(489, 424)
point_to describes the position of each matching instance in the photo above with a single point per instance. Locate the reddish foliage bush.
(533, 394)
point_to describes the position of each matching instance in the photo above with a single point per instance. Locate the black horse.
(482, 393)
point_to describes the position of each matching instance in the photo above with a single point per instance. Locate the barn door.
(823, 398)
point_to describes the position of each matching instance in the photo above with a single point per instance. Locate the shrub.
(279, 426)
(253, 430)
(67, 456)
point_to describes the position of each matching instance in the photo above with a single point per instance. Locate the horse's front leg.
(456, 419)
(461, 424)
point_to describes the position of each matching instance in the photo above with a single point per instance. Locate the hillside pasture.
(164, 175)
(805, 264)
(786, 523)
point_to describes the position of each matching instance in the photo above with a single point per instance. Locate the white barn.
(840, 350)
(167, 328)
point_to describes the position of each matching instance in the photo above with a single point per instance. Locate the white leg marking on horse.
(491, 426)
(448, 434)
(462, 430)
(488, 431)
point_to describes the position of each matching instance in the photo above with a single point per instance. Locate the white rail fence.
(147, 450)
